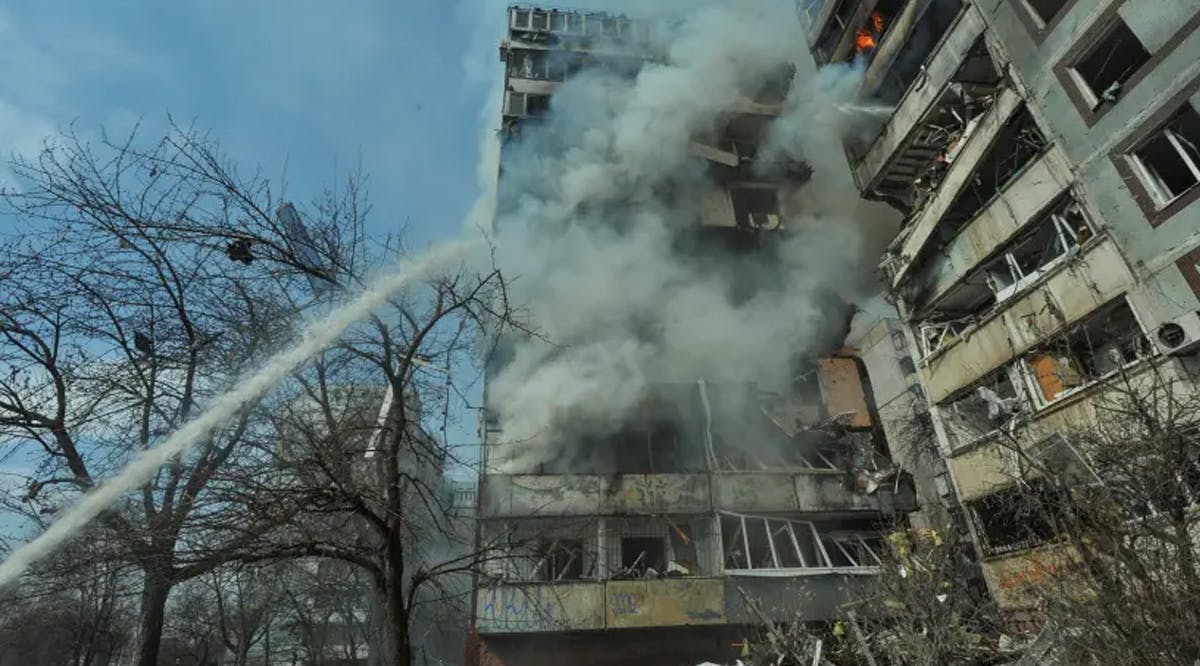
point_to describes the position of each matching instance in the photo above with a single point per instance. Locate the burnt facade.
(712, 496)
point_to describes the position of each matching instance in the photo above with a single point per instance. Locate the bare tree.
(1119, 494)
(116, 321)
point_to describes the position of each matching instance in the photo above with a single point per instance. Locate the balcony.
(890, 161)
(1030, 193)
(628, 604)
(981, 144)
(1069, 294)
(810, 491)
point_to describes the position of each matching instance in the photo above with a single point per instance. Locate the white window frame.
(1151, 180)
(824, 566)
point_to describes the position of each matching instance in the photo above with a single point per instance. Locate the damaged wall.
(593, 204)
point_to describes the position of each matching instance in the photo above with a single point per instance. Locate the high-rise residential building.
(1045, 157)
(715, 506)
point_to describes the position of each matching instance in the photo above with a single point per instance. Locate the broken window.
(807, 11)
(520, 19)
(753, 543)
(1038, 250)
(1045, 10)
(990, 404)
(1105, 67)
(642, 556)
(1101, 344)
(1014, 518)
(540, 20)
(1168, 163)
(653, 449)
(559, 559)
(1015, 146)
(832, 33)
(755, 207)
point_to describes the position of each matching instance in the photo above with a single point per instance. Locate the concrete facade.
(1044, 155)
(608, 563)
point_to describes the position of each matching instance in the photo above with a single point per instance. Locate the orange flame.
(867, 36)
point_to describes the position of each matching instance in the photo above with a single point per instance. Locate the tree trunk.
(390, 589)
(150, 625)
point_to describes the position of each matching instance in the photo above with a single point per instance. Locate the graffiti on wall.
(524, 608)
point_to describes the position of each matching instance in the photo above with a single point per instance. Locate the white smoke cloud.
(590, 209)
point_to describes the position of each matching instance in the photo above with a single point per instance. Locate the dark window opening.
(1015, 518)
(1045, 9)
(1168, 163)
(536, 105)
(755, 207)
(560, 559)
(541, 21)
(912, 55)
(1103, 343)
(1110, 63)
(1015, 146)
(832, 33)
(649, 450)
(640, 554)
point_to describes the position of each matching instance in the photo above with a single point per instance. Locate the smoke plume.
(596, 224)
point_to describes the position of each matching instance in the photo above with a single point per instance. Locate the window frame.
(820, 543)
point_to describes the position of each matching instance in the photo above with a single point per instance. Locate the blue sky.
(317, 86)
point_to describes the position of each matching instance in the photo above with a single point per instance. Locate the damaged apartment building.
(716, 506)
(1045, 155)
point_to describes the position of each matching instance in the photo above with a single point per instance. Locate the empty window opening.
(992, 403)
(642, 556)
(1168, 163)
(832, 33)
(755, 207)
(1045, 10)
(559, 559)
(1015, 518)
(1109, 64)
(653, 449)
(910, 59)
(760, 543)
(1101, 344)
(1015, 146)
(523, 104)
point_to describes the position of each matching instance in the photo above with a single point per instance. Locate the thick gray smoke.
(589, 216)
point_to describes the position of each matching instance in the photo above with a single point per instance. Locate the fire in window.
(869, 35)
(1109, 64)
(1168, 163)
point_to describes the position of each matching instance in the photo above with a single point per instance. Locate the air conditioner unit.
(1180, 335)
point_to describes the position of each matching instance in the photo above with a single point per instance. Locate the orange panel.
(842, 388)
